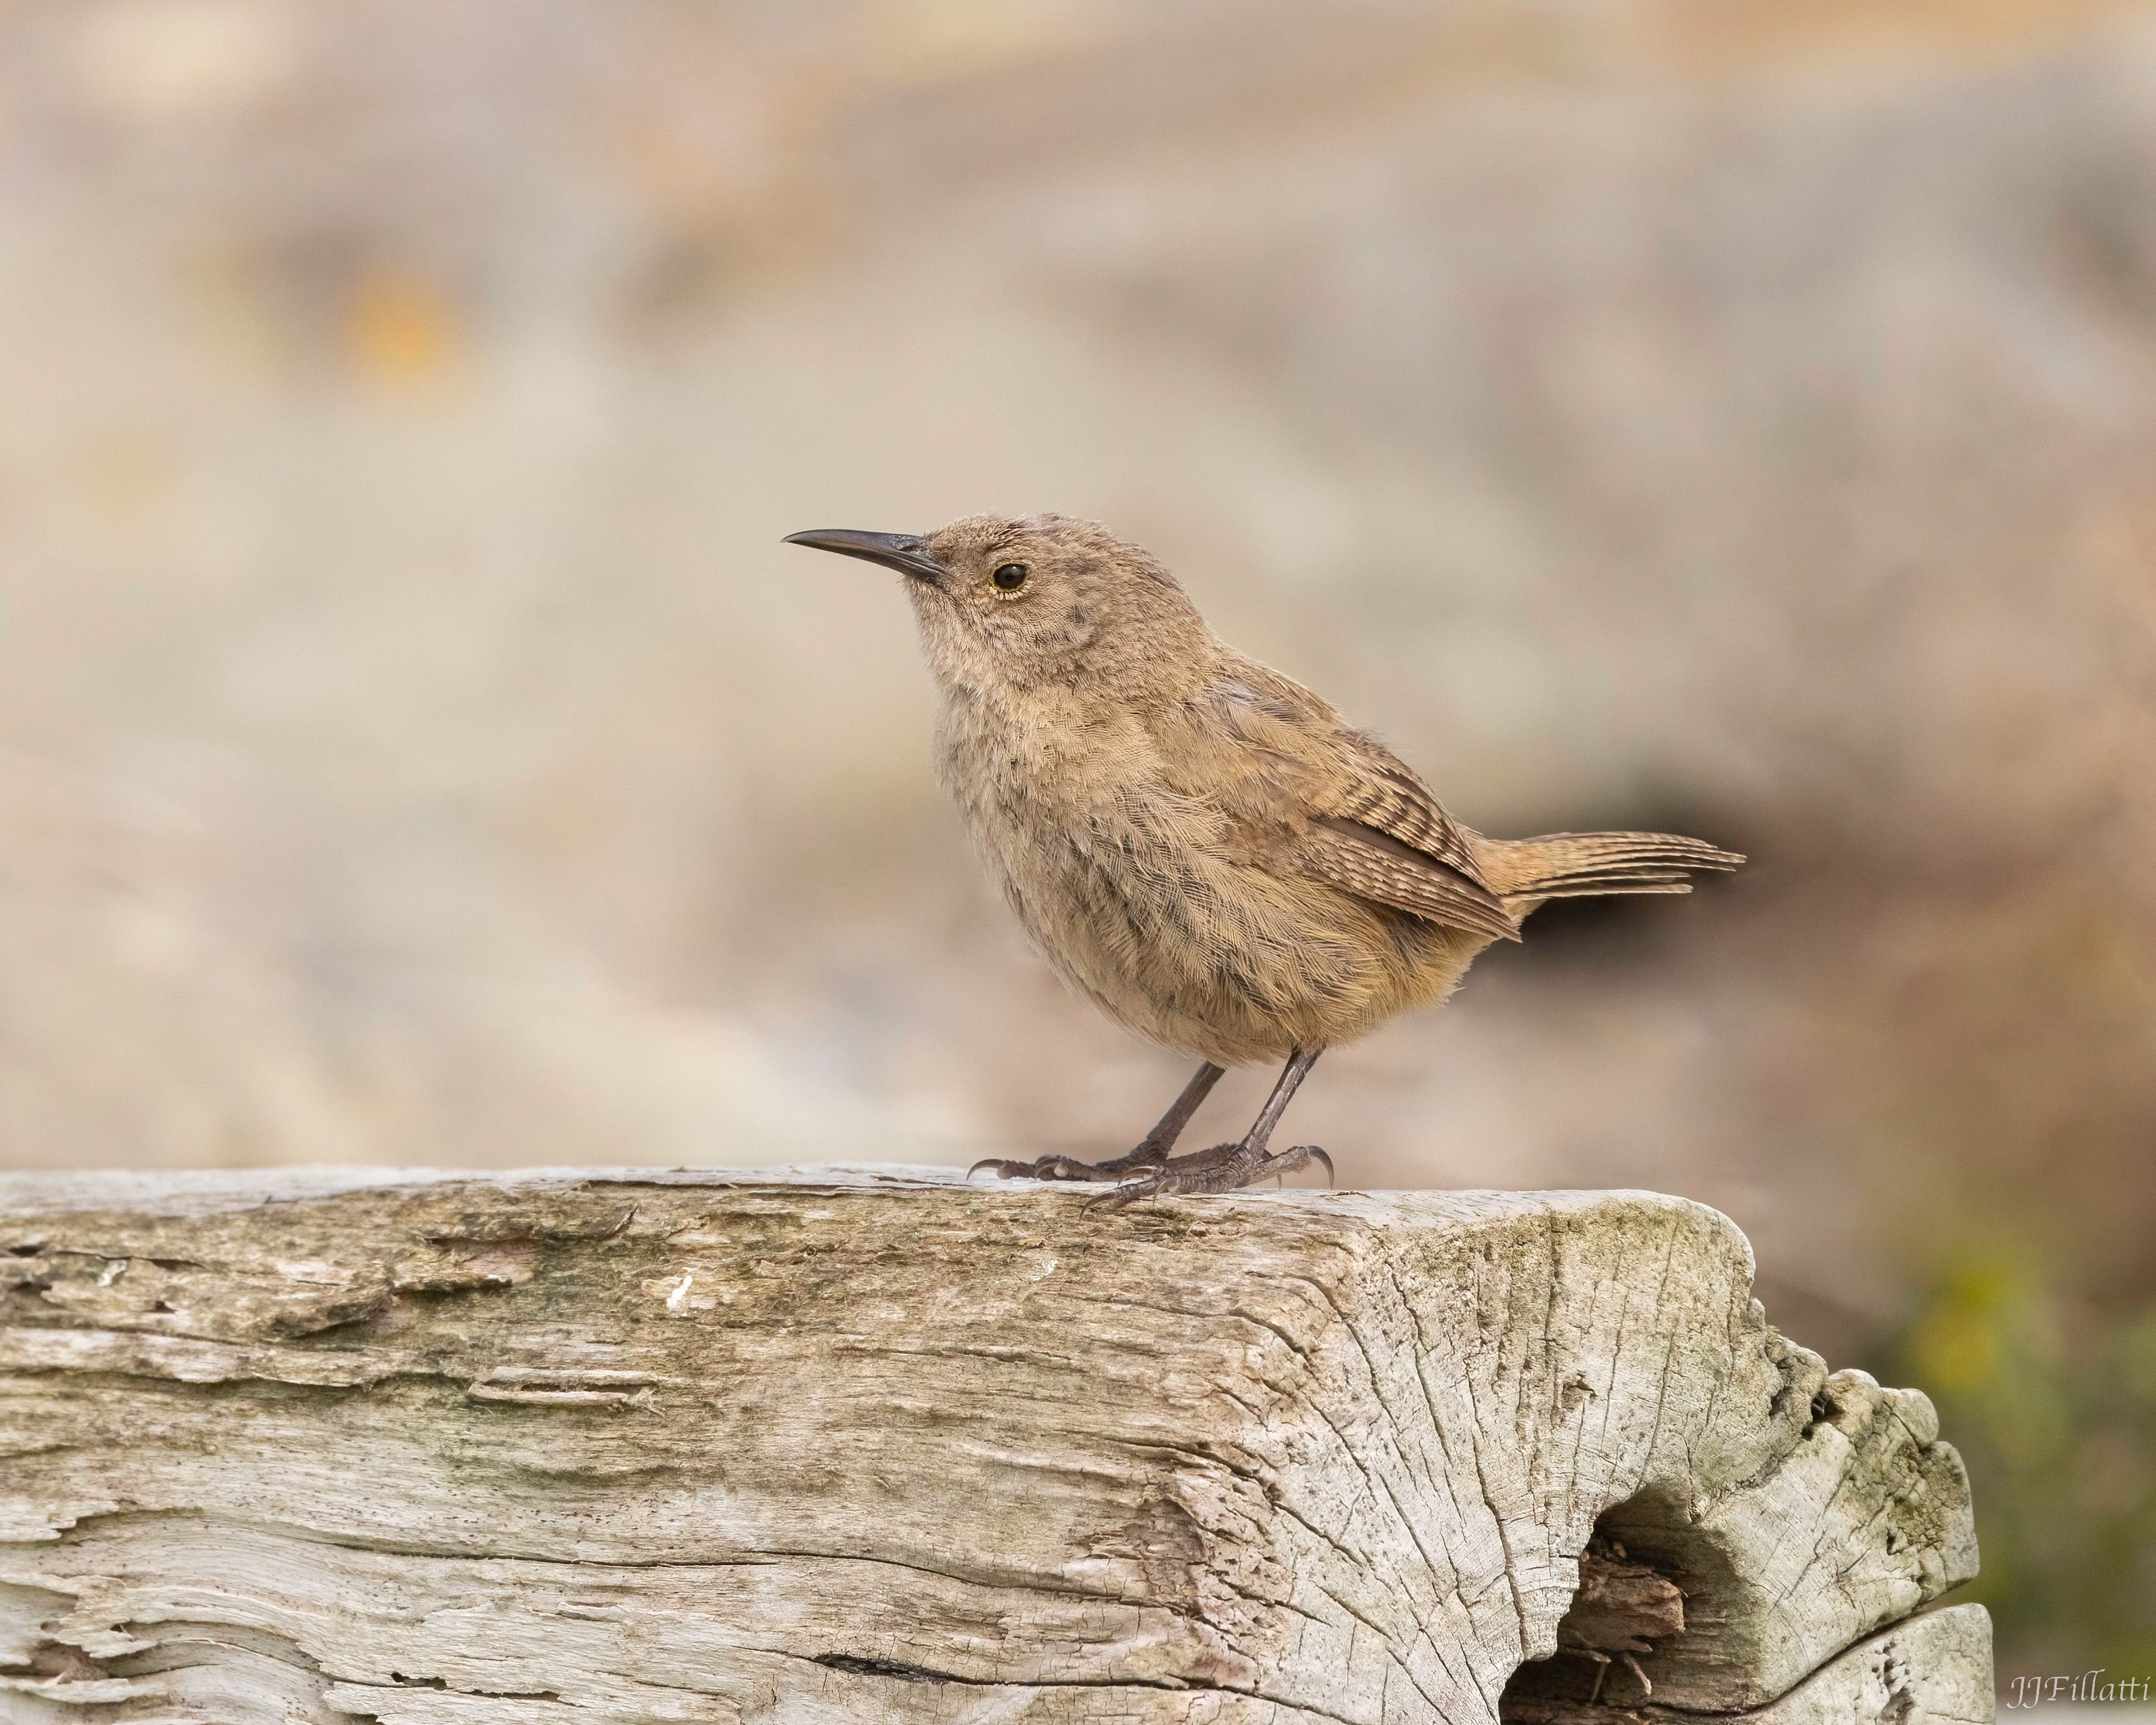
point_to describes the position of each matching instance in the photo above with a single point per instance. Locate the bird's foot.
(1068, 1167)
(1224, 1168)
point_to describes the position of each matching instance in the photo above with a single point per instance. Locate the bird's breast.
(1074, 816)
(1144, 893)
(1055, 797)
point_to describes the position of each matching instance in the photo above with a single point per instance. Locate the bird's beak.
(905, 552)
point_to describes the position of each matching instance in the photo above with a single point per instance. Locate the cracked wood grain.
(862, 1445)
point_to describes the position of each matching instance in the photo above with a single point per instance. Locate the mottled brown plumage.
(1204, 847)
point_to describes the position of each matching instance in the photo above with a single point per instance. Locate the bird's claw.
(1004, 1170)
(1225, 1167)
(1126, 1194)
(1066, 1168)
(1046, 1167)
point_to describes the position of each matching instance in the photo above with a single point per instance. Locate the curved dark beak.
(905, 552)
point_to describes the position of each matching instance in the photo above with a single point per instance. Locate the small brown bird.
(1207, 849)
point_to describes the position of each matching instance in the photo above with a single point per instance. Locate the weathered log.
(874, 1445)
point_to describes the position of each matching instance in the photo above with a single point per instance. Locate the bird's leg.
(1225, 1166)
(1152, 1150)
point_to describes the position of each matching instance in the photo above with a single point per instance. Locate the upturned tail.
(1588, 865)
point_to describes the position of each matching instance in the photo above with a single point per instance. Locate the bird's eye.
(1009, 577)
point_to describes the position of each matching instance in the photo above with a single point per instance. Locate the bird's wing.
(1369, 864)
(1366, 824)
(1372, 788)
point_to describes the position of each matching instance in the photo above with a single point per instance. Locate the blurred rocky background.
(1732, 415)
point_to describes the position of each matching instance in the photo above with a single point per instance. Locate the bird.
(1203, 847)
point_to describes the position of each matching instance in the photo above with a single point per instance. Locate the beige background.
(1734, 415)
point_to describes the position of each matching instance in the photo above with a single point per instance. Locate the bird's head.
(1018, 603)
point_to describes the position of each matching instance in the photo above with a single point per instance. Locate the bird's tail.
(1587, 864)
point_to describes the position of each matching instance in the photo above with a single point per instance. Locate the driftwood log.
(873, 1445)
